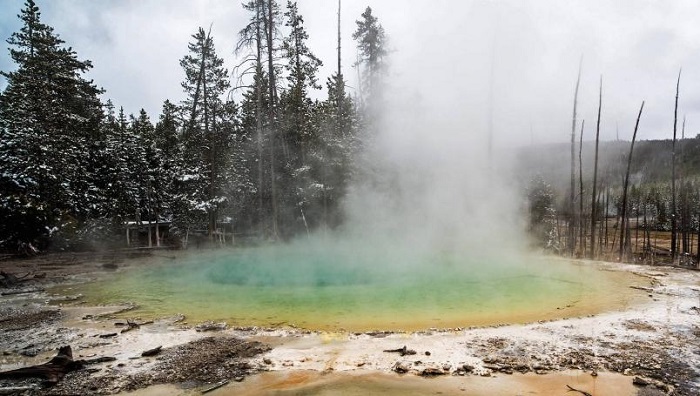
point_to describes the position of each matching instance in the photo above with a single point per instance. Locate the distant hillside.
(651, 161)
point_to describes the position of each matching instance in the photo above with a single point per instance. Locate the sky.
(448, 58)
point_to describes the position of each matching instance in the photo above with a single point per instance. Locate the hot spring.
(339, 286)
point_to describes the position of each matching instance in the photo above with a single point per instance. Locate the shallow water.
(342, 288)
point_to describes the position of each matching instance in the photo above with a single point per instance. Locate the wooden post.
(157, 231)
(150, 237)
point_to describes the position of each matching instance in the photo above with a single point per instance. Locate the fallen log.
(101, 359)
(646, 289)
(131, 325)
(15, 292)
(11, 280)
(152, 352)
(51, 371)
(401, 351)
(215, 386)
(572, 389)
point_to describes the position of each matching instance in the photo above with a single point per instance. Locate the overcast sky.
(442, 58)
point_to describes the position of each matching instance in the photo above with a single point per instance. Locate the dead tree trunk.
(674, 252)
(272, 112)
(581, 222)
(698, 245)
(685, 202)
(624, 223)
(595, 171)
(607, 205)
(571, 239)
(51, 371)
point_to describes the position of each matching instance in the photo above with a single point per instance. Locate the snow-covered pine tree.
(170, 159)
(299, 191)
(371, 44)
(337, 148)
(48, 111)
(204, 157)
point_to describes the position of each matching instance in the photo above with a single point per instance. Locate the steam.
(430, 187)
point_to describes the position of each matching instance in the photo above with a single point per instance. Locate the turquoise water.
(344, 288)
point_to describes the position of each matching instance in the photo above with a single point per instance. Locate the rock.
(432, 372)
(639, 381)
(401, 367)
(29, 353)
(427, 353)
(152, 352)
(468, 368)
(211, 326)
(267, 361)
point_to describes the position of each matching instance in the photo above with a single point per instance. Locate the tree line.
(274, 163)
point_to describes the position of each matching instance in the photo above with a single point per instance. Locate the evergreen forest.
(75, 170)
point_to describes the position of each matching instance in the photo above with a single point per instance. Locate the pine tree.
(169, 160)
(371, 44)
(298, 186)
(48, 111)
(260, 109)
(204, 155)
(302, 66)
(338, 146)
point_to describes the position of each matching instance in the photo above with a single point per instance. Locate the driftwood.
(23, 291)
(215, 386)
(131, 325)
(152, 352)
(646, 289)
(572, 389)
(101, 359)
(401, 351)
(51, 371)
(12, 280)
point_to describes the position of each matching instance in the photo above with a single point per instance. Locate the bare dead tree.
(571, 240)
(698, 238)
(258, 111)
(605, 228)
(269, 23)
(685, 211)
(595, 170)
(623, 222)
(581, 225)
(674, 214)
